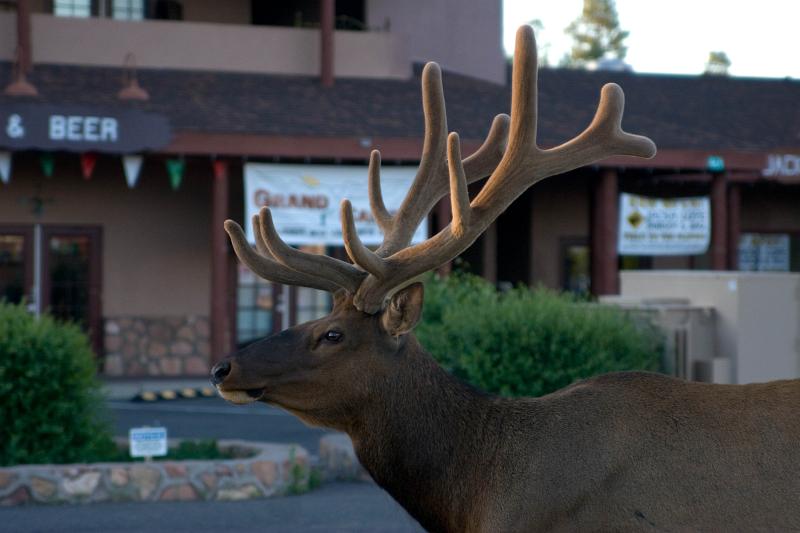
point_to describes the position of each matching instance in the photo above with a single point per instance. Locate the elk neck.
(418, 437)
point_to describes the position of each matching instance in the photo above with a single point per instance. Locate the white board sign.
(663, 226)
(304, 200)
(148, 442)
(764, 252)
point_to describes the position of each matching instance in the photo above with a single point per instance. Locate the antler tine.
(343, 275)
(376, 205)
(523, 164)
(266, 267)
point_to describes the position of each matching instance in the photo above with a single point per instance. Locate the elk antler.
(522, 164)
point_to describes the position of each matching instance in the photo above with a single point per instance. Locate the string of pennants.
(131, 165)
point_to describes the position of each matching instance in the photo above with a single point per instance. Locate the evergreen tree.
(596, 33)
(717, 63)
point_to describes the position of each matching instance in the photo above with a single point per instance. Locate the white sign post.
(304, 200)
(148, 442)
(656, 226)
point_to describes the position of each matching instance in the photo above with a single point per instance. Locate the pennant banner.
(48, 163)
(175, 168)
(5, 167)
(88, 161)
(132, 165)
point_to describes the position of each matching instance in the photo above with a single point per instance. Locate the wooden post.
(489, 253)
(734, 224)
(327, 24)
(605, 271)
(24, 36)
(221, 339)
(719, 222)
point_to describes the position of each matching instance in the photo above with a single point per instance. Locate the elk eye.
(333, 336)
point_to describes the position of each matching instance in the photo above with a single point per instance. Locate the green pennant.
(175, 169)
(48, 163)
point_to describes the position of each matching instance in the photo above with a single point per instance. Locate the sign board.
(663, 226)
(715, 163)
(782, 166)
(764, 252)
(81, 128)
(304, 200)
(148, 442)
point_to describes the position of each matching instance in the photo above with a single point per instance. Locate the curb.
(174, 394)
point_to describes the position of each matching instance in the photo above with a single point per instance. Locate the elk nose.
(220, 372)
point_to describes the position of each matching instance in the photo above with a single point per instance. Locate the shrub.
(529, 342)
(49, 397)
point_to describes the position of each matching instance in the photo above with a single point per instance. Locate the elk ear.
(404, 310)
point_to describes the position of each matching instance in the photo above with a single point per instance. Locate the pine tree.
(717, 63)
(596, 33)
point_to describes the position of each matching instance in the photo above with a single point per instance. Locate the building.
(147, 116)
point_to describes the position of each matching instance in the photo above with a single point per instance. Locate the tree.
(596, 33)
(717, 63)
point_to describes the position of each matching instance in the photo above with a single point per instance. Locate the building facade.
(129, 128)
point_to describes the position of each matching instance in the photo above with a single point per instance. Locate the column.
(719, 222)
(605, 274)
(221, 338)
(24, 36)
(734, 224)
(489, 253)
(327, 24)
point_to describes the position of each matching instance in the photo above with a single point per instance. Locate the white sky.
(761, 38)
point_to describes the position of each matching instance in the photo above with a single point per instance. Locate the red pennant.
(88, 161)
(220, 168)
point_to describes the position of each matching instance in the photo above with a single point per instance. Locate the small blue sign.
(715, 163)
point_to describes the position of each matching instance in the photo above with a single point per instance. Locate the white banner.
(656, 226)
(764, 252)
(304, 200)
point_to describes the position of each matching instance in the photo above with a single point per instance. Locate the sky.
(762, 38)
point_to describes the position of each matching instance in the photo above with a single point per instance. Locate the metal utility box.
(757, 317)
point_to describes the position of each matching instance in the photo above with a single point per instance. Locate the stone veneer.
(270, 470)
(156, 346)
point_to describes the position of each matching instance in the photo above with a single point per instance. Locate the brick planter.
(269, 470)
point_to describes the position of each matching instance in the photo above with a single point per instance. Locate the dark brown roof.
(679, 112)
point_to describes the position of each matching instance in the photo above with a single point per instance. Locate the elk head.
(324, 369)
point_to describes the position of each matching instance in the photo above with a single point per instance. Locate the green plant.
(529, 342)
(301, 478)
(50, 403)
(185, 450)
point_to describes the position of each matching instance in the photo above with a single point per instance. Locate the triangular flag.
(88, 161)
(5, 167)
(48, 163)
(175, 170)
(132, 165)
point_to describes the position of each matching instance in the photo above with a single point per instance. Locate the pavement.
(334, 507)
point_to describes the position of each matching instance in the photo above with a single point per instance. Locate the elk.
(624, 451)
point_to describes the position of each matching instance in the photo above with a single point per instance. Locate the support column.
(489, 253)
(605, 271)
(719, 222)
(24, 36)
(221, 339)
(327, 24)
(734, 224)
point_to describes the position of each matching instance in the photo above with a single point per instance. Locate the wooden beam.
(327, 24)
(221, 338)
(605, 270)
(734, 224)
(719, 222)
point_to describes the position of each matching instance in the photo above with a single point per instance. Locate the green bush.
(49, 398)
(529, 342)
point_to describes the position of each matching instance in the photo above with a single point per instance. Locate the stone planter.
(267, 470)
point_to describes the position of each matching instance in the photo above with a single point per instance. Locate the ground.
(335, 507)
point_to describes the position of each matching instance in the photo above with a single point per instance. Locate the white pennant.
(5, 167)
(132, 164)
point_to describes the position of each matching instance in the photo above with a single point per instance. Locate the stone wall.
(270, 470)
(157, 346)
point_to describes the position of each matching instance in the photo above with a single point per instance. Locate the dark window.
(350, 14)
(576, 265)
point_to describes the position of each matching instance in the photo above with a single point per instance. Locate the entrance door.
(56, 269)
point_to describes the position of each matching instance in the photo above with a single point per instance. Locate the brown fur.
(620, 452)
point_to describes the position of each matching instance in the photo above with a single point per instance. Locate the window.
(576, 265)
(72, 8)
(254, 307)
(127, 9)
(769, 252)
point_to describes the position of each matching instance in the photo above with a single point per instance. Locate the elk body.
(626, 451)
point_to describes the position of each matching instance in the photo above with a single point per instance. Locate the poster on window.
(663, 226)
(764, 252)
(304, 200)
